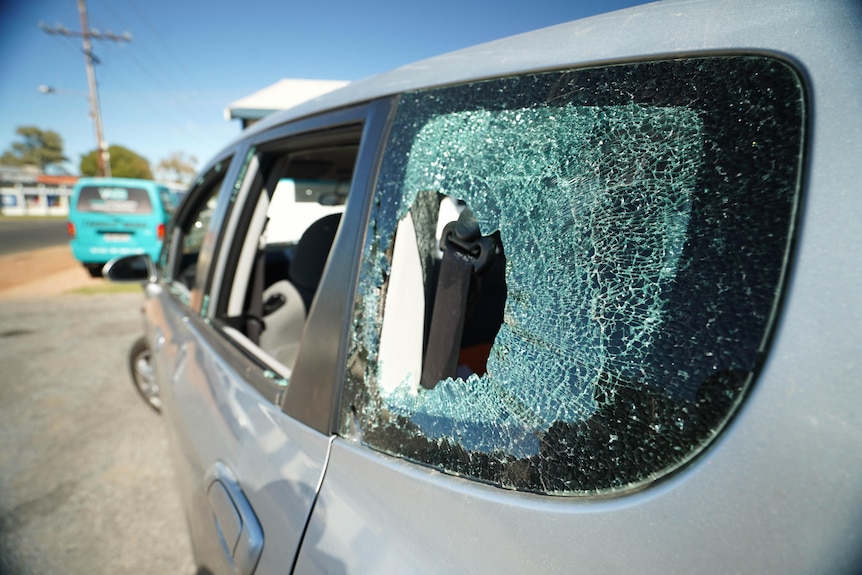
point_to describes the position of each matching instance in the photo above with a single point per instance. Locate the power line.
(172, 75)
(117, 17)
(186, 74)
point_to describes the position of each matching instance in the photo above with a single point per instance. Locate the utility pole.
(104, 158)
(102, 155)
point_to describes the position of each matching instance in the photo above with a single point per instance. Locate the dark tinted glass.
(114, 200)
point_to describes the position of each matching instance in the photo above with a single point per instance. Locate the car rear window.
(114, 200)
(642, 217)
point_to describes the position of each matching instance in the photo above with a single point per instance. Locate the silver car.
(584, 300)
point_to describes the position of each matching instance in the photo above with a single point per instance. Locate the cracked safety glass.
(603, 299)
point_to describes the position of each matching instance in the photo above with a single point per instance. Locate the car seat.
(286, 302)
(312, 250)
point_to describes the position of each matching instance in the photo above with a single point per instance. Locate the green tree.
(124, 164)
(41, 148)
(177, 167)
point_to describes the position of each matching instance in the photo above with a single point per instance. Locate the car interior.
(283, 253)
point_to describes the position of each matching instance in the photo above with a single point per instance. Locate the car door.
(596, 327)
(242, 284)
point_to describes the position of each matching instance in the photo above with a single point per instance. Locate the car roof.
(667, 27)
(96, 180)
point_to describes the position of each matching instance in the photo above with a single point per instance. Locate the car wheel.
(143, 376)
(94, 269)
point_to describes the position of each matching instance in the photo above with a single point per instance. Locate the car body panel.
(688, 524)
(217, 398)
(751, 502)
(214, 414)
(778, 490)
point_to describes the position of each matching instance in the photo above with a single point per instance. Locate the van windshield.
(114, 200)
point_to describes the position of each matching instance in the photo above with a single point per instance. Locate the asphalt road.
(85, 482)
(25, 234)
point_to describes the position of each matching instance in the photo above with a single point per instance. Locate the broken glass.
(624, 345)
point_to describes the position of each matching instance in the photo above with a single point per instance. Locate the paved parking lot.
(85, 483)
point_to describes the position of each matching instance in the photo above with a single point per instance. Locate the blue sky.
(166, 90)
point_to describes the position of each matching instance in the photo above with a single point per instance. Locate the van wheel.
(143, 376)
(94, 269)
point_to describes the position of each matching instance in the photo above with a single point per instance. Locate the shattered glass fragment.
(588, 223)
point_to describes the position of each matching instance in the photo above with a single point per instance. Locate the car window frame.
(265, 373)
(313, 394)
(172, 249)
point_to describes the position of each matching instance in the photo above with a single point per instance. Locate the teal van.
(112, 217)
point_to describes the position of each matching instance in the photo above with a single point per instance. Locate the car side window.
(296, 197)
(180, 256)
(569, 278)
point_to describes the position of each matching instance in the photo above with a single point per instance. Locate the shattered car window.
(642, 216)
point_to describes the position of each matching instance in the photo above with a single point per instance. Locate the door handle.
(236, 524)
